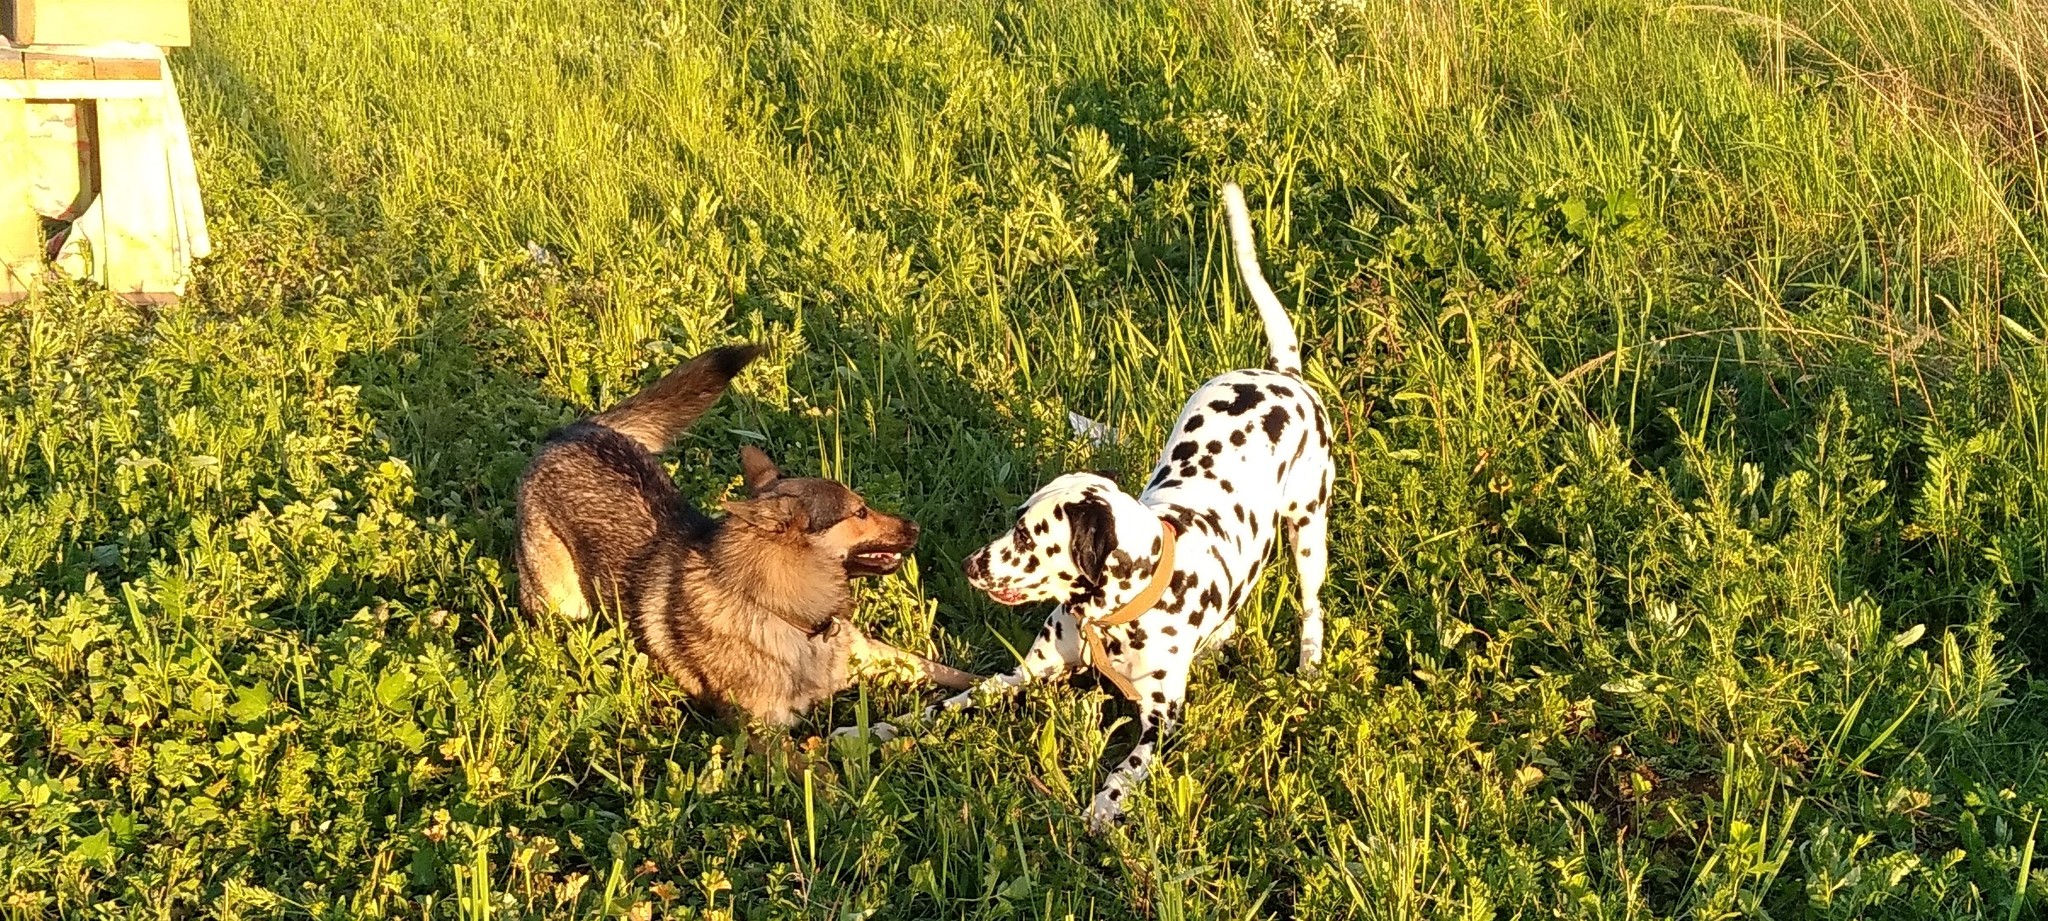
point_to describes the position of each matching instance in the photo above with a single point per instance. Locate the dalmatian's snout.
(1001, 590)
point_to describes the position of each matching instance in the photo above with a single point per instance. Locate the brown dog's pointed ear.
(778, 514)
(758, 469)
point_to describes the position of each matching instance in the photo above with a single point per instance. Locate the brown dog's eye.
(863, 513)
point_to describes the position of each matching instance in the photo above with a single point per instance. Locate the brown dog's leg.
(872, 656)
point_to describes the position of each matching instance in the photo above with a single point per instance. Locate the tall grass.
(1685, 361)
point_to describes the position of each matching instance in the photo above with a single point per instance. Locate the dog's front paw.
(1106, 811)
(879, 732)
(1311, 659)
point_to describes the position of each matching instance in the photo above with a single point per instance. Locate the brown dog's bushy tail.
(655, 416)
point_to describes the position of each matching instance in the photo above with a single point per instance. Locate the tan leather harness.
(1130, 611)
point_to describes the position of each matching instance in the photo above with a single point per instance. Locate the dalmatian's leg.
(1309, 539)
(1308, 533)
(1161, 693)
(1056, 651)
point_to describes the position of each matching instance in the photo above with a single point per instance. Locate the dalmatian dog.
(1143, 583)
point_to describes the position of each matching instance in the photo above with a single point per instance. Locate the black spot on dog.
(1113, 647)
(1157, 476)
(1194, 422)
(1169, 484)
(1059, 630)
(1116, 794)
(1247, 397)
(1158, 698)
(1169, 630)
(1187, 470)
(1123, 567)
(1237, 438)
(1183, 451)
(1031, 565)
(1215, 447)
(1276, 423)
(1212, 598)
(1041, 527)
(1195, 618)
(1226, 486)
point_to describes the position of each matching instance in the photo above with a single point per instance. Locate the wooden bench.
(93, 145)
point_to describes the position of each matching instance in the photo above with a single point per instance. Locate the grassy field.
(1687, 369)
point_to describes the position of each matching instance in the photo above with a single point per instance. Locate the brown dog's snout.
(892, 529)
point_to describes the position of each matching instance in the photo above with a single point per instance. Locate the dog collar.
(1130, 611)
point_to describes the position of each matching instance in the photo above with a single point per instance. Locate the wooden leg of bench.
(141, 253)
(21, 233)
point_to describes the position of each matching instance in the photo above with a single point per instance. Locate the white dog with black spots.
(1249, 457)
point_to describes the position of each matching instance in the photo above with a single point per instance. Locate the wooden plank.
(126, 69)
(140, 254)
(18, 20)
(184, 177)
(43, 65)
(11, 67)
(57, 148)
(21, 232)
(80, 89)
(89, 22)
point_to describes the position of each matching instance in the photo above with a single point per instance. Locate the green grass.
(1686, 364)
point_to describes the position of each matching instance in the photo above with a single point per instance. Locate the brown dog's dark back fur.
(748, 610)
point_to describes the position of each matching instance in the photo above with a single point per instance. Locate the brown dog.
(749, 611)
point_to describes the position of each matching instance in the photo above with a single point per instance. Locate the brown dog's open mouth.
(875, 561)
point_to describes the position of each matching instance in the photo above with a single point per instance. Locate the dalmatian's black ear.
(1094, 532)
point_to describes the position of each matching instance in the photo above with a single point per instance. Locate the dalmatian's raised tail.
(1280, 338)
